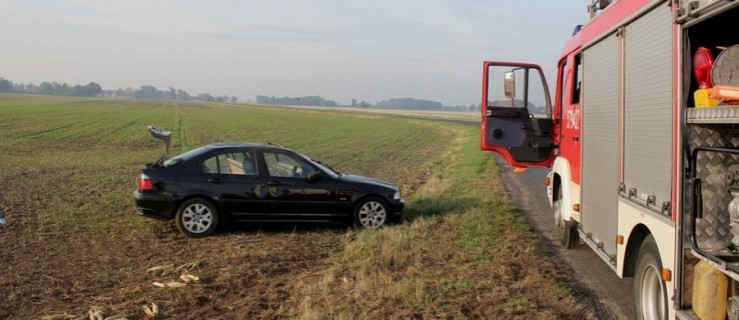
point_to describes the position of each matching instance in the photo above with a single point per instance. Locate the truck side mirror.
(509, 85)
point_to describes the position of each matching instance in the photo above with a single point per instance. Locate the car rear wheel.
(197, 218)
(371, 213)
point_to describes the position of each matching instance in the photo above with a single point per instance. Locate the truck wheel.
(569, 228)
(650, 293)
(557, 206)
(569, 234)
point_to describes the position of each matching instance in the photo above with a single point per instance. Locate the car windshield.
(171, 162)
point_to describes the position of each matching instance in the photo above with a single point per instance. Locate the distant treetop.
(93, 89)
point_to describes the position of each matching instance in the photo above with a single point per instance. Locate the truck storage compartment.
(713, 37)
(711, 147)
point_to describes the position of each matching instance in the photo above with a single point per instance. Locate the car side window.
(284, 165)
(233, 162)
(210, 165)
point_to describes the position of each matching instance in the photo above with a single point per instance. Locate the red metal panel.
(676, 165)
(611, 17)
(483, 109)
(571, 122)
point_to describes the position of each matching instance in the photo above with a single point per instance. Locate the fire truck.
(642, 139)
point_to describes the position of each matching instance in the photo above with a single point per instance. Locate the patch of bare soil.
(245, 273)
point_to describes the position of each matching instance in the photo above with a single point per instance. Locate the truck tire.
(570, 237)
(569, 228)
(650, 292)
(557, 206)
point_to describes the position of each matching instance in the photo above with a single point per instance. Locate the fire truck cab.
(643, 145)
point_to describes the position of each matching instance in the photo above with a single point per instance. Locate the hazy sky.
(368, 50)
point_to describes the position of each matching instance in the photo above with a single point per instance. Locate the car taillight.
(144, 183)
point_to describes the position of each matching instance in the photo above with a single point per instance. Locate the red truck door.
(517, 114)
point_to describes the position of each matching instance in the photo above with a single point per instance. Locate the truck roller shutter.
(648, 139)
(600, 142)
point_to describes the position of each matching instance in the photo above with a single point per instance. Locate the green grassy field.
(74, 242)
(81, 156)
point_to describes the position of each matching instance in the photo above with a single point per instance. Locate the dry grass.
(471, 261)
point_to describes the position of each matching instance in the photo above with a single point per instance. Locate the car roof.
(226, 145)
(221, 145)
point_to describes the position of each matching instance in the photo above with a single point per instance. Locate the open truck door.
(517, 117)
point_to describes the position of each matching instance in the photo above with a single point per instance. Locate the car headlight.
(397, 196)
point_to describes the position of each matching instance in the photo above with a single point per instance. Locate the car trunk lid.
(162, 136)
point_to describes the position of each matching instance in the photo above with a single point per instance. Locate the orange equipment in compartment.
(702, 65)
(725, 75)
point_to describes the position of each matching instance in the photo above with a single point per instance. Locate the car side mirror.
(315, 176)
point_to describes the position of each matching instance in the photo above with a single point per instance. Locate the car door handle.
(214, 180)
(273, 183)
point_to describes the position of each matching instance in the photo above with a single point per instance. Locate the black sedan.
(224, 182)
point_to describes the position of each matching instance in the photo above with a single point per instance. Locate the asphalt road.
(600, 291)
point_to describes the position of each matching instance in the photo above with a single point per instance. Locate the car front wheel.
(197, 218)
(371, 213)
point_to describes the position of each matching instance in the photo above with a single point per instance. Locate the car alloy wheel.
(371, 213)
(197, 218)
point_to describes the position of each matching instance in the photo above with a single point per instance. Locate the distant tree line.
(409, 103)
(420, 104)
(152, 93)
(149, 92)
(299, 101)
(93, 89)
(394, 103)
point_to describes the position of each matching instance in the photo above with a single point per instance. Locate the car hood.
(366, 180)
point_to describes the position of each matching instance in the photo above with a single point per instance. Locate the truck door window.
(576, 80)
(529, 90)
(562, 83)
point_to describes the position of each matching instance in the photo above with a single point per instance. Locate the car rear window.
(183, 157)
